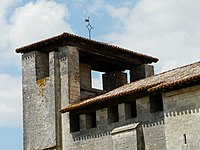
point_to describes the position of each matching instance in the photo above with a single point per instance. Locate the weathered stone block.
(128, 137)
(141, 71)
(113, 80)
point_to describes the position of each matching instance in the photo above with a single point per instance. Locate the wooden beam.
(111, 56)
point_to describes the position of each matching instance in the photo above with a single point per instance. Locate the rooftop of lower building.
(167, 81)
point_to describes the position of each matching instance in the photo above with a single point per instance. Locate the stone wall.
(153, 125)
(128, 137)
(100, 137)
(70, 73)
(48, 83)
(86, 93)
(38, 103)
(182, 118)
(55, 80)
(112, 80)
(141, 71)
(176, 127)
(70, 87)
(85, 76)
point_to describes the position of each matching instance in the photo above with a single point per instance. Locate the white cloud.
(78, 4)
(96, 7)
(4, 5)
(29, 21)
(118, 13)
(11, 101)
(26, 24)
(168, 30)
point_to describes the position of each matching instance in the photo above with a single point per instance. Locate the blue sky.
(168, 30)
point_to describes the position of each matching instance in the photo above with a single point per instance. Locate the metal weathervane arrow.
(89, 27)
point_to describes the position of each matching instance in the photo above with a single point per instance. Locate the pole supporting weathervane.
(89, 27)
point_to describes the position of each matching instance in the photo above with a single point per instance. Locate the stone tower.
(56, 72)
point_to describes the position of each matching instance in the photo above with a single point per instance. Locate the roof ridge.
(64, 35)
(180, 81)
(198, 62)
(108, 44)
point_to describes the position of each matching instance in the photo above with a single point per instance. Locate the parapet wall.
(100, 137)
(176, 127)
(182, 118)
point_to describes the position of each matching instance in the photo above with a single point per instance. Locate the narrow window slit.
(185, 139)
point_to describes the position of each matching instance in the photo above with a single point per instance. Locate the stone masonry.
(182, 118)
(61, 110)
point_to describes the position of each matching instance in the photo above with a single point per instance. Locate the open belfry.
(135, 109)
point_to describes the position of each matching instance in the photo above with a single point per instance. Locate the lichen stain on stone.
(41, 84)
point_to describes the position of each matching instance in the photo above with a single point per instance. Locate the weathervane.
(89, 27)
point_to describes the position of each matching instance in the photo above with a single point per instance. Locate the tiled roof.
(166, 81)
(71, 39)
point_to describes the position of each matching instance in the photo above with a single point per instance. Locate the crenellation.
(184, 121)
